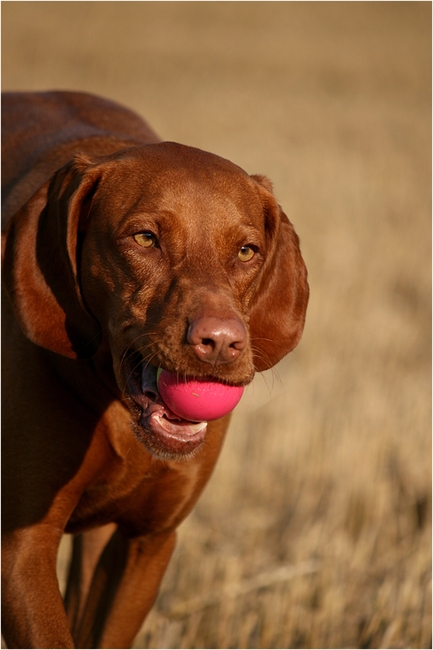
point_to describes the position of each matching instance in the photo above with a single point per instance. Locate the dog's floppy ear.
(277, 312)
(40, 254)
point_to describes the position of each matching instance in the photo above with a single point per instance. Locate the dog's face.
(174, 258)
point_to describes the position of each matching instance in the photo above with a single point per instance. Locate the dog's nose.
(217, 340)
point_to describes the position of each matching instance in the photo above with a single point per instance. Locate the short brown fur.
(88, 317)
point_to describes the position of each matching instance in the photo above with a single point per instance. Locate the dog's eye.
(145, 239)
(246, 253)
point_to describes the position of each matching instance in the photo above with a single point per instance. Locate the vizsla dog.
(122, 254)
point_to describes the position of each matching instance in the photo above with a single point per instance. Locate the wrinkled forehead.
(169, 176)
(173, 158)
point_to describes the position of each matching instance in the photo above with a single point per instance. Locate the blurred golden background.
(314, 531)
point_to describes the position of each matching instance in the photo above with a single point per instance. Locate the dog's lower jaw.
(165, 435)
(169, 448)
(169, 434)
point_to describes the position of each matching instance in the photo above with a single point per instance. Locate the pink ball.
(195, 400)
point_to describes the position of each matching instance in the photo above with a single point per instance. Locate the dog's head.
(166, 256)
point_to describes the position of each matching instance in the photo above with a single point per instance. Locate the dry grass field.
(314, 531)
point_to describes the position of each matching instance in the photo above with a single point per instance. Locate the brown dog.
(121, 254)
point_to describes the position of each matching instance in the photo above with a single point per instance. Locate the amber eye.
(145, 239)
(246, 253)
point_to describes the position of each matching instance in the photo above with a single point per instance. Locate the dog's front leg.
(33, 615)
(124, 587)
(86, 550)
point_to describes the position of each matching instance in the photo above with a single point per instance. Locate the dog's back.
(42, 131)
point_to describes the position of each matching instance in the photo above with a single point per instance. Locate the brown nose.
(217, 340)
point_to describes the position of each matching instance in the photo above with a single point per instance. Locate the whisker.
(262, 338)
(261, 356)
(137, 365)
(125, 353)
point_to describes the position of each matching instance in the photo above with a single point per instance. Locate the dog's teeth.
(195, 427)
(198, 427)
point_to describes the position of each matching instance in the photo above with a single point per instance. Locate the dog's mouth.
(162, 432)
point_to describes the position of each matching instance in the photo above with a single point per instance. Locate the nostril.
(217, 340)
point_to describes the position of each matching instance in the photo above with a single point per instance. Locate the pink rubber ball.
(195, 400)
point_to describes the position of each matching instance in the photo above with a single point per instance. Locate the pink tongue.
(195, 400)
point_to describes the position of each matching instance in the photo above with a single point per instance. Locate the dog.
(121, 254)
